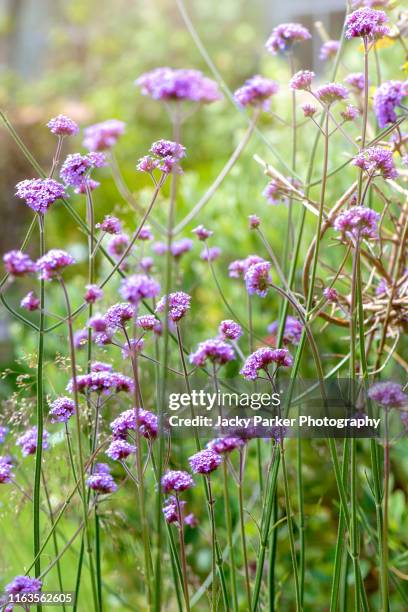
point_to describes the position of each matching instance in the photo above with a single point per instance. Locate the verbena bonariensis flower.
(258, 278)
(210, 253)
(147, 421)
(93, 293)
(350, 113)
(229, 330)
(101, 480)
(302, 80)
(168, 148)
(293, 330)
(53, 262)
(30, 302)
(39, 194)
(88, 184)
(205, 461)
(146, 322)
(285, 35)
(28, 441)
(239, 267)
(331, 92)
(358, 222)
(355, 80)
(18, 263)
(183, 85)
(377, 162)
(147, 163)
(98, 323)
(366, 23)
(146, 263)
(138, 287)
(389, 394)
(118, 244)
(387, 97)
(329, 49)
(118, 315)
(202, 233)
(171, 510)
(191, 520)
(176, 480)
(62, 409)
(179, 304)
(63, 126)
(102, 382)
(179, 247)
(101, 366)
(104, 135)
(6, 471)
(263, 358)
(225, 445)
(23, 584)
(80, 338)
(145, 233)
(3, 432)
(331, 295)
(254, 221)
(276, 192)
(132, 348)
(160, 248)
(215, 350)
(110, 225)
(76, 167)
(120, 449)
(256, 91)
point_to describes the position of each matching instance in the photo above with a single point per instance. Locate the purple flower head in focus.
(176, 480)
(358, 222)
(120, 449)
(331, 92)
(376, 161)
(302, 80)
(118, 315)
(6, 473)
(139, 287)
(28, 441)
(179, 247)
(62, 126)
(285, 35)
(389, 394)
(366, 23)
(62, 410)
(258, 279)
(387, 97)
(329, 49)
(293, 330)
(110, 225)
(52, 263)
(263, 358)
(179, 304)
(23, 584)
(18, 263)
(101, 480)
(172, 508)
(169, 154)
(229, 330)
(182, 85)
(256, 91)
(30, 302)
(93, 293)
(147, 322)
(205, 461)
(202, 233)
(210, 253)
(102, 136)
(215, 350)
(39, 194)
(239, 267)
(76, 168)
(102, 382)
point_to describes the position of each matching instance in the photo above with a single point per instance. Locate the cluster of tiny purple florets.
(256, 91)
(263, 358)
(178, 85)
(285, 35)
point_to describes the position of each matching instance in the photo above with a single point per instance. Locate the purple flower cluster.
(264, 357)
(331, 295)
(118, 244)
(358, 222)
(6, 473)
(389, 394)
(120, 449)
(53, 262)
(147, 322)
(356, 80)
(3, 432)
(23, 584)
(18, 263)
(293, 330)
(176, 480)
(101, 480)
(366, 23)
(30, 302)
(62, 410)
(240, 267)
(331, 92)
(183, 85)
(329, 49)
(39, 194)
(202, 233)
(285, 35)
(302, 80)
(166, 156)
(215, 350)
(110, 225)
(256, 91)
(76, 168)
(28, 441)
(387, 97)
(275, 192)
(254, 221)
(139, 287)
(210, 253)
(172, 508)
(104, 135)
(229, 330)
(179, 303)
(225, 445)
(377, 161)
(93, 293)
(147, 422)
(63, 126)
(102, 382)
(118, 315)
(180, 247)
(258, 278)
(309, 110)
(205, 461)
